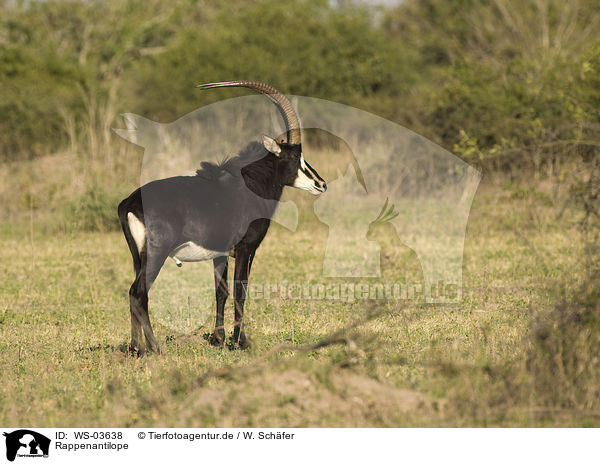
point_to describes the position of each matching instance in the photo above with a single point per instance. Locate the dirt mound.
(295, 398)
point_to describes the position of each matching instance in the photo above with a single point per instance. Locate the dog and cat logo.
(26, 443)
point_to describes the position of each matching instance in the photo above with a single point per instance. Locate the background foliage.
(497, 81)
(512, 86)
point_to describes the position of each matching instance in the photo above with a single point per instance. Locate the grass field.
(64, 325)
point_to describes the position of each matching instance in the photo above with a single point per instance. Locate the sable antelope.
(223, 211)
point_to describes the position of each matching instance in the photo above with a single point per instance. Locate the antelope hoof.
(155, 349)
(217, 338)
(152, 346)
(239, 342)
(136, 350)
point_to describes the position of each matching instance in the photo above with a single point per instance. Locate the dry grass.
(64, 327)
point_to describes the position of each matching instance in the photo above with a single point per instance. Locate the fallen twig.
(337, 338)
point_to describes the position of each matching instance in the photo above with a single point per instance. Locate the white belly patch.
(191, 252)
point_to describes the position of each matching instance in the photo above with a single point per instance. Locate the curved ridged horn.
(281, 101)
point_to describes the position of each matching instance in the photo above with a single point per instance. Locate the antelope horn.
(284, 106)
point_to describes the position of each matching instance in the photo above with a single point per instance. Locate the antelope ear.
(271, 145)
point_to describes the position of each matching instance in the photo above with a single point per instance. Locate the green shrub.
(95, 210)
(565, 360)
(519, 78)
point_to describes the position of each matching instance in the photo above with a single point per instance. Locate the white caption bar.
(300, 445)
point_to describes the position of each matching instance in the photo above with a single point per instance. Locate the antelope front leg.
(222, 291)
(243, 260)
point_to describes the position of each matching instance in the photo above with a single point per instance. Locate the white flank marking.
(137, 230)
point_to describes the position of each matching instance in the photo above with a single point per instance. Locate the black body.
(224, 208)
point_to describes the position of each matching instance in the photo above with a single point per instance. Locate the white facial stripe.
(305, 183)
(308, 171)
(305, 180)
(311, 172)
(302, 163)
(307, 177)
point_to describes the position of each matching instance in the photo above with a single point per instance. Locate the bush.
(95, 210)
(517, 80)
(565, 360)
